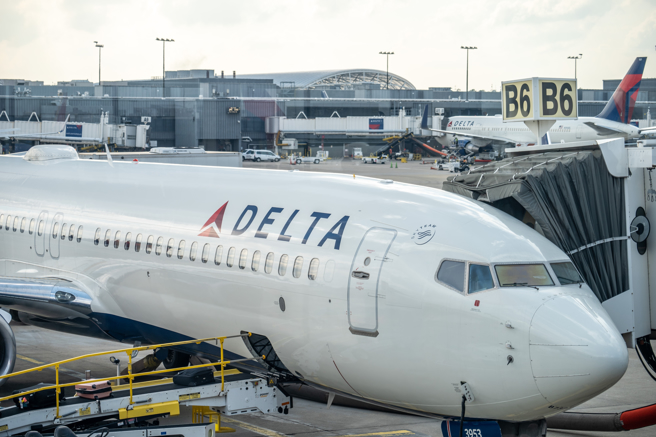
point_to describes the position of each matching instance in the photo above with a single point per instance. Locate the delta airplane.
(612, 122)
(355, 296)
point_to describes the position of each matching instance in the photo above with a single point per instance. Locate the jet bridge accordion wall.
(572, 199)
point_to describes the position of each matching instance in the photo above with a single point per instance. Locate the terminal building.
(229, 112)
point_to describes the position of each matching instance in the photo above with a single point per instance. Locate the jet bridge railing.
(130, 376)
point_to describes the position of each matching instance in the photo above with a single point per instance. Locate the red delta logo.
(212, 226)
(291, 225)
(449, 125)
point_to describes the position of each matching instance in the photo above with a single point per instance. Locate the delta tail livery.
(612, 122)
(347, 280)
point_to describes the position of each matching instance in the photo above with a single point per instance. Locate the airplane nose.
(576, 351)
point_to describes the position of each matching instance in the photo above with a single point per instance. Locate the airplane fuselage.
(339, 272)
(562, 131)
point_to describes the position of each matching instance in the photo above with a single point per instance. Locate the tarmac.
(307, 419)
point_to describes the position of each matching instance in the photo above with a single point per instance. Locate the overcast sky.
(52, 40)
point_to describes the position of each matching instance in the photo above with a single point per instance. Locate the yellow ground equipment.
(231, 393)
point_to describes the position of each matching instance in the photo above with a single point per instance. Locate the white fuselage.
(428, 337)
(562, 131)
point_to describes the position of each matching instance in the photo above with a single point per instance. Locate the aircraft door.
(40, 233)
(54, 229)
(363, 281)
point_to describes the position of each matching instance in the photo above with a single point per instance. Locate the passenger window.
(137, 243)
(31, 228)
(313, 272)
(117, 239)
(128, 238)
(181, 248)
(149, 244)
(329, 271)
(108, 235)
(169, 248)
(79, 233)
(55, 229)
(298, 267)
(218, 255)
(159, 245)
(282, 266)
(452, 274)
(2, 220)
(23, 222)
(7, 223)
(15, 227)
(206, 253)
(231, 257)
(96, 238)
(268, 263)
(255, 265)
(480, 278)
(243, 256)
(192, 251)
(71, 233)
(63, 231)
(40, 228)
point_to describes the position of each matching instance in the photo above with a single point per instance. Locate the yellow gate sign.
(539, 99)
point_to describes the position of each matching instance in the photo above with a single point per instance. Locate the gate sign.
(375, 124)
(539, 99)
(74, 130)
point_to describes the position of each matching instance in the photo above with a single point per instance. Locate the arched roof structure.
(344, 79)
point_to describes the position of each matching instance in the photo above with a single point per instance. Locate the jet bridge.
(352, 126)
(126, 136)
(595, 201)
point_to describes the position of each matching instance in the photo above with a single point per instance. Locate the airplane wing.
(603, 130)
(53, 298)
(648, 129)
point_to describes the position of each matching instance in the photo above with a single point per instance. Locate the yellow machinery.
(150, 399)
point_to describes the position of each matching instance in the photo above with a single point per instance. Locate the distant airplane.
(612, 122)
(357, 291)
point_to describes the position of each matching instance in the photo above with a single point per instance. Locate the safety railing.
(130, 376)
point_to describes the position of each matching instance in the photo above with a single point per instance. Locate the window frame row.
(242, 260)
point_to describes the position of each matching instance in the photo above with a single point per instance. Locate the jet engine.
(7, 346)
(471, 147)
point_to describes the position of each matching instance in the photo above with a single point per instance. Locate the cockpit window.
(452, 273)
(480, 278)
(566, 273)
(521, 275)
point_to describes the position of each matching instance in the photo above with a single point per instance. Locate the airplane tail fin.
(424, 118)
(620, 106)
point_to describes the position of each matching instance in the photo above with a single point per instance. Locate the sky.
(53, 40)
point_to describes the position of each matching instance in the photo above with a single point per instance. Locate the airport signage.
(376, 124)
(74, 130)
(539, 98)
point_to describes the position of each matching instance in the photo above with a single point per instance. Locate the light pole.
(576, 58)
(164, 41)
(467, 78)
(387, 54)
(100, 47)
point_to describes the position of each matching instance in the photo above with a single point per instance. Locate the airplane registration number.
(473, 433)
